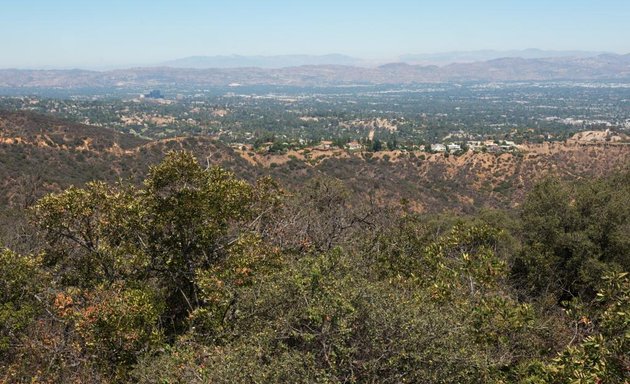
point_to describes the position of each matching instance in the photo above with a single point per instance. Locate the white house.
(438, 148)
(354, 146)
(454, 147)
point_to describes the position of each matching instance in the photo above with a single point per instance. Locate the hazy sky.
(94, 33)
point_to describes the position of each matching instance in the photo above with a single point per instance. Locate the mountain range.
(439, 58)
(601, 67)
(279, 61)
(444, 58)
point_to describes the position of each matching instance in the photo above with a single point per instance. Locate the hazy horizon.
(101, 35)
(420, 58)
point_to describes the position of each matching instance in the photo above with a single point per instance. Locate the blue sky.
(92, 33)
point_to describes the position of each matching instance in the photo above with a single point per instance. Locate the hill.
(437, 182)
(40, 154)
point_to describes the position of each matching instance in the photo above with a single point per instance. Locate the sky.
(117, 33)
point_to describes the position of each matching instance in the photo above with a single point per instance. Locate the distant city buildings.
(154, 94)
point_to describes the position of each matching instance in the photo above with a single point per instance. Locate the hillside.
(433, 182)
(40, 154)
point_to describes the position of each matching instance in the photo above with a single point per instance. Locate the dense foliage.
(198, 276)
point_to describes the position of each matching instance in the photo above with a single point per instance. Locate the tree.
(573, 235)
(136, 253)
(602, 354)
(22, 280)
(392, 143)
(377, 145)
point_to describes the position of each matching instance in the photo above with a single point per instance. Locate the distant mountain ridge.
(438, 58)
(279, 61)
(443, 58)
(602, 67)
